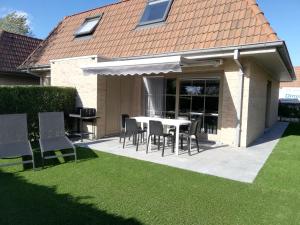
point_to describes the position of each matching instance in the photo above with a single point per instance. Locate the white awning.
(140, 66)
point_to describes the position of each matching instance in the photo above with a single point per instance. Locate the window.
(200, 99)
(196, 99)
(88, 26)
(156, 11)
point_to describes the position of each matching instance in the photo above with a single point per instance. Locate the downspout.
(240, 98)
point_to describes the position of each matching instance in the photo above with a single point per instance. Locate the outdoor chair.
(156, 129)
(193, 131)
(52, 135)
(14, 141)
(133, 130)
(122, 124)
(183, 128)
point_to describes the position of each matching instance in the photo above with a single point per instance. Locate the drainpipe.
(240, 98)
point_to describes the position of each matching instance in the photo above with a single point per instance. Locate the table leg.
(177, 140)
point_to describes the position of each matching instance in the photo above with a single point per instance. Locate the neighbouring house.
(218, 60)
(290, 91)
(14, 49)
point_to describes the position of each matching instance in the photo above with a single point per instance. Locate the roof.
(295, 83)
(15, 49)
(191, 25)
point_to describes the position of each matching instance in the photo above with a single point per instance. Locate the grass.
(108, 189)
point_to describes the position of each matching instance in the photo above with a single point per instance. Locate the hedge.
(287, 110)
(34, 99)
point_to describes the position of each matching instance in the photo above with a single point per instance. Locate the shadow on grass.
(83, 154)
(27, 203)
(292, 130)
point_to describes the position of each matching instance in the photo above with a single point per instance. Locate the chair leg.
(124, 141)
(148, 141)
(120, 137)
(158, 143)
(173, 139)
(163, 150)
(75, 155)
(137, 143)
(33, 162)
(181, 142)
(197, 143)
(189, 144)
(43, 160)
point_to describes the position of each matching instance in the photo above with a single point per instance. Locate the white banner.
(289, 95)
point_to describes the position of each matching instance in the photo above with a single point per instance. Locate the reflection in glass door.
(199, 99)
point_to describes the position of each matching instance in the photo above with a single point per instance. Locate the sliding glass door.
(197, 99)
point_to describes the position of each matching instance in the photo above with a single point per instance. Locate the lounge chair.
(52, 135)
(14, 141)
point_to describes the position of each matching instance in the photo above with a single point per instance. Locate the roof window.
(156, 11)
(89, 26)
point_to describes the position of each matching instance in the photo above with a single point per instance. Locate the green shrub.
(287, 110)
(33, 99)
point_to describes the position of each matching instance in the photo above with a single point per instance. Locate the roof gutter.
(229, 52)
(29, 69)
(212, 50)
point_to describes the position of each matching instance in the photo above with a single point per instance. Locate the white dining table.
(166, 122)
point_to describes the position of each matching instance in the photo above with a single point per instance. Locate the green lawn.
(107, 189)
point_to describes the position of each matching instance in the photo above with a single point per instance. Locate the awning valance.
(139, 66)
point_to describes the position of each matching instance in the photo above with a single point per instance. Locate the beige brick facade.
(67, 72)
(112, 96)
(262, 113)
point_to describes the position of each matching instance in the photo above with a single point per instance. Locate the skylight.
(156, 11)
(89, 25)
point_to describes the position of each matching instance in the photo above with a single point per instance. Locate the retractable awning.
(144, 66)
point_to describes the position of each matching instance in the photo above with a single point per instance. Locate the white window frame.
(91, 31)
(157, 20)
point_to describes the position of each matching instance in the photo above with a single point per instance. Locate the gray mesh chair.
(52, 135)
(156, 129)
(122, 124)
(132, 129)
(14, 139)
(193, 130)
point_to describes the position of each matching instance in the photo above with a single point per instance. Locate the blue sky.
(44, 15)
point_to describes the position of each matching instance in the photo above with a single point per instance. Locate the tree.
(15, 23)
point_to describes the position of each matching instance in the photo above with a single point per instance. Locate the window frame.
(163, 19)
(86, 33)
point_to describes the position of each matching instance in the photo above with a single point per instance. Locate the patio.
(239, 164)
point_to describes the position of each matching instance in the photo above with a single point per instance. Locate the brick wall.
(295, 83)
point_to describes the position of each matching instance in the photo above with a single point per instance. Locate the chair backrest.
(155, 127)
(51, 125)
(13, 128)
(195, 127)
(131, 126)
(122, 120)
(193, 130)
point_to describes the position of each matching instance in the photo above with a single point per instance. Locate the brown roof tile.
(191, 24)
(14, 49)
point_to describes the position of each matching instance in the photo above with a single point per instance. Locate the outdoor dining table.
(166, 122)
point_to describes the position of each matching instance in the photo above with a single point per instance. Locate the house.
(14, 49)
(218, 60)
(290, 91)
